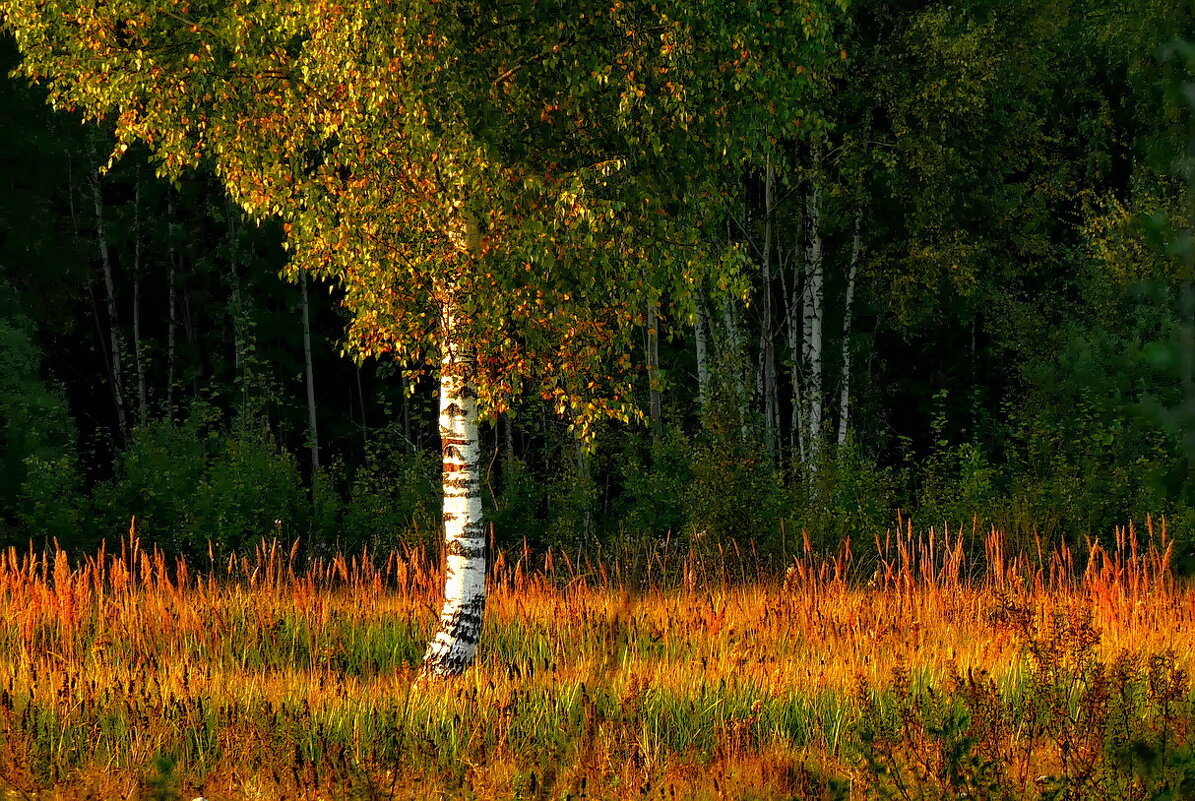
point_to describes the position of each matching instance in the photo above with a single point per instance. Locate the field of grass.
(943, 668)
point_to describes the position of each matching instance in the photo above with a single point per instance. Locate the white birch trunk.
(406, 406)
(110, 287)
(844, 395)
(454, 645)
(812, 316)
(142, 403)
(653, 367)
(361, 401)
(192, 343)
(734, 359)
(309, 369)
(508, 437)
(767, 349)
(703, 370)
(792, 334)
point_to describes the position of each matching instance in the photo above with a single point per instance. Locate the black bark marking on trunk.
(458, 548)
(463, 625)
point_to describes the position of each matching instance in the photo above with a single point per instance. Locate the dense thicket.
(970, 300)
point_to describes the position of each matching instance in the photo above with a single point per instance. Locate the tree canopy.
(583, 140)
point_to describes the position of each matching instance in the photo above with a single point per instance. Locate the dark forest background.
(1003, 205)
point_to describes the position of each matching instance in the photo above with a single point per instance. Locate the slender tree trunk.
(361, 400)
(192, 344)
(508, 436)
(767, 344)
(844, 395)
(455, 643)
(171, 311)
(96, 317)
(309, 369)
(1187, 305)
(142, 403)
(703, 370)
(812, 315)
(734, 359)
(404, 385)
(110, 286)
(792, 331)
(653, 367)
(237, 308)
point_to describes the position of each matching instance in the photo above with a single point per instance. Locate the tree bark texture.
(767, 342)
(236, 308)
(844, 395)
(703, 370)
(454, 645)
(309, 370)
(792, 326)
(171, 311)
(455, 642)
(142, 401)
(732, 355)
(653, 366)
(812, 315)
(101, 237)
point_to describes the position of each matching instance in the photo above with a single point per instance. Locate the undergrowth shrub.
(1068, 724)
(157, 479)
(51, 505)
(393, 498)
(653, 474)
(571, 498)
(514, 508)
(736, 493)
(40, 480)
(251, 489)
(846, 494)
(197, 481)
(1088, 471)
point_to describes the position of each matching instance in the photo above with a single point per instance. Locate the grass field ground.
(944, 668)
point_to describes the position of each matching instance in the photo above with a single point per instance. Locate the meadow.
(944, 665)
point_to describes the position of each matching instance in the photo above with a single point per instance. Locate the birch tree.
(848, 308)
(114, 340)
(812, 301)
(499, 191)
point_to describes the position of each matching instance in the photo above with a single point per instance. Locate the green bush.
(394, 497)
(572, 497)
(652, 474)
(1099, 729)
(846, 495)
(736, 494)
(514, 510)
(252, 489)
(1083, 473)
(40, 482)
(193, 482)
(157, 479)
(328, 503)
(51, 504)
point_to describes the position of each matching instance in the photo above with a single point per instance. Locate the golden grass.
(261, 678)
